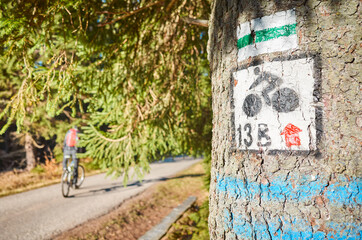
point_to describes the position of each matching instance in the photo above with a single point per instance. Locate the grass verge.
(193, 225)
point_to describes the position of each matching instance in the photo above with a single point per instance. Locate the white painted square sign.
(273, 106)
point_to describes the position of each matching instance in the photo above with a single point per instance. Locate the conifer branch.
(126, 15)
(36, 144)
(109, 139)
(170, 5)
(198, 22)
(68, 115)
(142, 79)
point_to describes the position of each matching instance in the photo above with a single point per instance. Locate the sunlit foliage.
(133, 72)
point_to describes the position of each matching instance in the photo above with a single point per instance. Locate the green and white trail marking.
(268, 34)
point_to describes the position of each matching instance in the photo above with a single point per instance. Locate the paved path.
(43, 213)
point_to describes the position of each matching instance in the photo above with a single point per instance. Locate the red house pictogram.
(291, 133)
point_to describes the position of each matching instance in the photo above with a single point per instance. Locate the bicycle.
(283, 100)
(68, 177)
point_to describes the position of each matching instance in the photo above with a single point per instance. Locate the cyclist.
(70, 149)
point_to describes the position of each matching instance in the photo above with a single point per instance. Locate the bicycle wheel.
(65, 184)
(81, 176)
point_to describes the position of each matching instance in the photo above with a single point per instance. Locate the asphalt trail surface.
(43, 213)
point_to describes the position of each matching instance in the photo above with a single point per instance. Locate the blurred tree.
(36, 124)
(136, 70)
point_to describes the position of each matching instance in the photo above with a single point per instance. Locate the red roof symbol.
(291, 129)
(291, 133)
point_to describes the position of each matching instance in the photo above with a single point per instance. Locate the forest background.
(133, 75)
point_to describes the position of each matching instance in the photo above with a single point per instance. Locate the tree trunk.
(7, 141)
(286, 127)
(29, 150)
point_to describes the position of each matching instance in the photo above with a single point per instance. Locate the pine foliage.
(134, 69)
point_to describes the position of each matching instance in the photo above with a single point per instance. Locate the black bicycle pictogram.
(283, 100)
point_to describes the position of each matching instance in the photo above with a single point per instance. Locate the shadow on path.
(118, 186)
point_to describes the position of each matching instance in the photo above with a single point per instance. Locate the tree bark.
(29, 150)
(7, 141)
(285, 167)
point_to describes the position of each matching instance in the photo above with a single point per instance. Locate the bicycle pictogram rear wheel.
(252, 105)
(285, 100)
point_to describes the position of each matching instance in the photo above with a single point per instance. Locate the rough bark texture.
(312, 194)
(29, 151)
